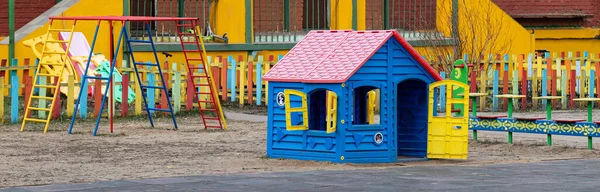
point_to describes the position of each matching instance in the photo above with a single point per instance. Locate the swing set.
(53, 63)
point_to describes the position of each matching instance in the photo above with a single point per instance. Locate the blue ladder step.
(152, 87)
(147, 64)
(138, 41)
(159, 109)
(94, 77)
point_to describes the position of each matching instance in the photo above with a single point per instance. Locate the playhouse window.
(322, 110)
(365, 106)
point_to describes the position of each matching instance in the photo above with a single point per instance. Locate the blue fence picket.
(443, 93)
(14, 98)
(259, 83)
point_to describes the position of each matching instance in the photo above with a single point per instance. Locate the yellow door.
(448, 134)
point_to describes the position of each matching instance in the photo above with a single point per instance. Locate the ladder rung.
(191, 50)
(94, 77)
(46, 75)
(45, 86)
(39, 97)
(39, 109)
(60, 30)
(57, 64)
(36, 120)
(139, 41)
(187, 34)
(54, 52)
(213, 126)
(211, 118)
(153, 87)
(57, 41)
(159, 109)
(189, 42)
(185, 25)
(208, 109)
(147, 64)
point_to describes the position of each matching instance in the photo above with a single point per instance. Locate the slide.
(78, 55)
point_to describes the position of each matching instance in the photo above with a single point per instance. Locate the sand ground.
(136, 151)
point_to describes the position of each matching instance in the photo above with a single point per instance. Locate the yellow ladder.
(50, 69)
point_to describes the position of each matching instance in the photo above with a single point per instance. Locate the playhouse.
(318, 101)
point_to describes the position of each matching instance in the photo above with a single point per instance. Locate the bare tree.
(482, 31)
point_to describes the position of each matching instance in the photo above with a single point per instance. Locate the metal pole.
(354, 15)
(386, 14)
(181, 12)
(455, 26)
(127, 28)
(286, 15)
(11, 32)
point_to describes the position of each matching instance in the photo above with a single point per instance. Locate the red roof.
(334, 56)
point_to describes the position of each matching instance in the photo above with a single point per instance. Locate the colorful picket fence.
(566, 75)
(239, 81)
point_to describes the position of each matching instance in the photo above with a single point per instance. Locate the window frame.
(362, 127)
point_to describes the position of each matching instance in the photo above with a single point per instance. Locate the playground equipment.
(193, 51)
(320, 111)
(539, 125)
(76, 61)
(51, 67)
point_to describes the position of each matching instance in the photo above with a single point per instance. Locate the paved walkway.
(572, 175)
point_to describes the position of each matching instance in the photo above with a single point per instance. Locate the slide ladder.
(150, 88)
(48, 76)
(200, 76)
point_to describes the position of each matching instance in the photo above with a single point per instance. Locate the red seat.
(568, 120)
(529, 118)
(597, 122)
(491, 116)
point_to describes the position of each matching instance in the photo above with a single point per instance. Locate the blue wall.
(360, 144)
(306, 145)
(410, 102)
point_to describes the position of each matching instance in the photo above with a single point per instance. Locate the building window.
(410, 17)
(166, 31)
(288, 20)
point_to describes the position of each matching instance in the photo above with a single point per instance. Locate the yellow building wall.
(479, 16)
(82, 8)
(565, 40)
(231, 16)
(361, 10)
(341, 14)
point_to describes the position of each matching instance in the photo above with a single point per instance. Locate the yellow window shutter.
(289, 110)
(371, 107)
(331, 112)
